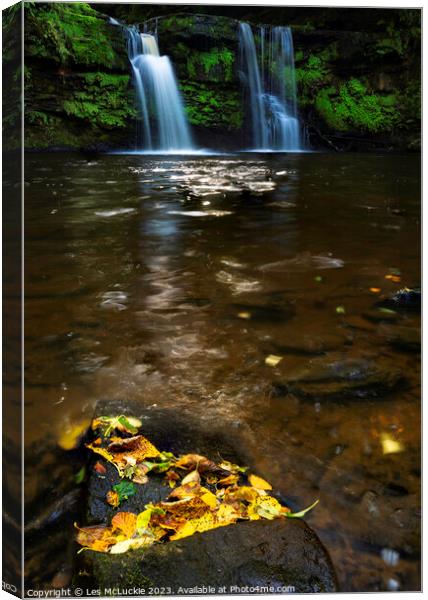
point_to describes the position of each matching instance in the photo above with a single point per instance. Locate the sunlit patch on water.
(238, 284)
(114, 213)
(201, 213)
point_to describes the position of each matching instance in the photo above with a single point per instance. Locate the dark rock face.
(262, 554)
(272, 554)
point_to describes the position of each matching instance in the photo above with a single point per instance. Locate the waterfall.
(271, 83)
(162, 125)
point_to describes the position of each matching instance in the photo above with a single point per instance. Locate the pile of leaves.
(204, 494)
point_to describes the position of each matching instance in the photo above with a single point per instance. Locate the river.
(171, 280)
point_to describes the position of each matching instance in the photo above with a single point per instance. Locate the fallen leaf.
(264, 507)
(80, 475)
(272, 360)
(105, 454)
(393, 278)
(124, 490)
(244, 315)
(209, 498)
(259, 483)
(138, 448)
(100, 468)
(72, 434)
(375, 290)
(113, 498)
(390, 445)
(300, 514)
(192, 477)
(125, 545)
(340, 310)
(231, 479)
(125, 522)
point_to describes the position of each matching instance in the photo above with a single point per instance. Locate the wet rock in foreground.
(257, 554)
(278, 553)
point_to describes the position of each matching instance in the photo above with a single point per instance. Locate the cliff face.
(77, 79)
(358, 75)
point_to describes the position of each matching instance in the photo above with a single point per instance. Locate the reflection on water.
(170, 280)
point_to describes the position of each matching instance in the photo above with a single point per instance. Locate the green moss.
(353, 107)
(215, 65)
(68, 34)
(212, 106)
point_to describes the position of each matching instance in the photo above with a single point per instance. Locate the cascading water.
(162, 121)
(271, 85)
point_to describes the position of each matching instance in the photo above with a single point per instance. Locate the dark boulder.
(263, 553)
(258, 554)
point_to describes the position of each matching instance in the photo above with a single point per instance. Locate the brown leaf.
(97, 538)
(136, 449)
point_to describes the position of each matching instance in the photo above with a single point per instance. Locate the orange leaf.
(125, 522)
(113, 499)
(100, 468)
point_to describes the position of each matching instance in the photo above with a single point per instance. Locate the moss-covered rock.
(77, 82)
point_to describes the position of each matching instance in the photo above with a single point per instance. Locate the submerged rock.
(341, 378)
(406, 300)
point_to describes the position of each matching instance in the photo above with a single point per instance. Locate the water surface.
(170, 280)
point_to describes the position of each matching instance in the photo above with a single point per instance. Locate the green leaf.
(127, 424)
(80, 475)
(302, 513)
(125, 489)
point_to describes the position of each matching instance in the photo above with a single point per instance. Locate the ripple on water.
(114, 300)
(238, 285)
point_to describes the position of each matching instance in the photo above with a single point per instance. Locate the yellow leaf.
(209, 499)
(259, 483)
(232, 479)
(227, 514)
(188, 529)
(105, 454)
(390, 445)
(266, 507)
(125, 522)
(71, 435)
(192, 477)
(272, 360)
(143, 519)
(244, 315)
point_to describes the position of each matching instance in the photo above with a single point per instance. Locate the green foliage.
(102, 101)
(215, 65)
(353, 107)
(68, 34)
(212, 106)
(312, 74)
